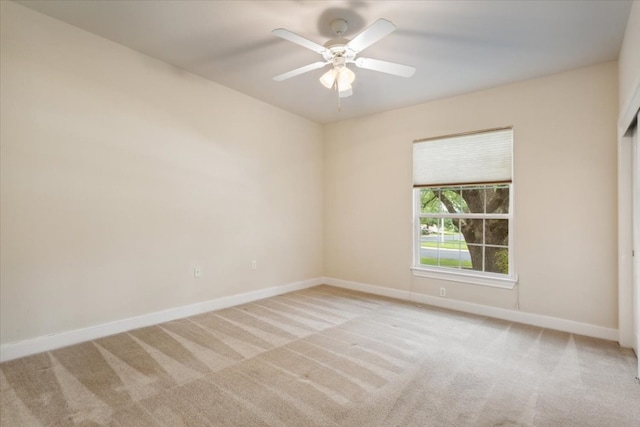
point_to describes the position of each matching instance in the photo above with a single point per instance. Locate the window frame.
(466, 276)
(505, 281)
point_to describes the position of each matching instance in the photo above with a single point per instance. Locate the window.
(463, 208)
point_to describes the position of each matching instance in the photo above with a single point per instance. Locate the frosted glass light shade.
(340, 75)
(329, 78)
(345, 78)
(345, 93)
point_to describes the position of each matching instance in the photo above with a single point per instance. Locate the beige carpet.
(327, 357)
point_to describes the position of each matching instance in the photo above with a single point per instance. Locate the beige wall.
(565, 193)
(121, 173)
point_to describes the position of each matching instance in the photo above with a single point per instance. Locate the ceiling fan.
(340, 51)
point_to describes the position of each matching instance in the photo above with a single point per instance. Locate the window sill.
(473, 279)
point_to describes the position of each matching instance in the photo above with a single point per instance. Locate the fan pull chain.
(335, 87)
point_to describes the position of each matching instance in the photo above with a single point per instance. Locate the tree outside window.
(465, 227)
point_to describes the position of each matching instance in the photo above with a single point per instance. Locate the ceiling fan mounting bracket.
(339, 26)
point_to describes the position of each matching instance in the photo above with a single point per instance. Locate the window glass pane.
(443, 245)
(497, 232)
(424, 226)
(496, 260)
(449, 245)
(497, 198)
(456, 235)
(429, 241)
(473, 199)
(430, 201)
(449, 258)
(429, 249)
(452, 200)
(472, 230)
(455, 243)
(475, 256)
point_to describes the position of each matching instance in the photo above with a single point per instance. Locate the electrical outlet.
(197, 272)
(254, 264)
(443, 292)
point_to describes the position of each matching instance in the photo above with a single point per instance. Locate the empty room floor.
(327, 357)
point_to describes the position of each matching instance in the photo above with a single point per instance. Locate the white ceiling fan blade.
(298, 71)
(385, 67)
(371, 34)
(293, 37)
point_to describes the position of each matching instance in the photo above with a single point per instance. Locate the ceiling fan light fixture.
(339, 77)
(340, 51)
(345, 93)
(345, 78)
(329, 78)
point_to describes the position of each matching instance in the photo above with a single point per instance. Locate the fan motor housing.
(337, 48)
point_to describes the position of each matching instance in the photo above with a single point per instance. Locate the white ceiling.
(456, 46)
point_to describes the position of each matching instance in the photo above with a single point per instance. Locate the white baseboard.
(50, 342)
(484, 310)
(15, 350)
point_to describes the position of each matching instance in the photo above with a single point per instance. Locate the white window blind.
(479, 157)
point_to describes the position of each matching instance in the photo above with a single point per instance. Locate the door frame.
(635, 224)
(628, 298)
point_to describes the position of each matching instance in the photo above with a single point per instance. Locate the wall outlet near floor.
(197, 272)
(443, 292)
(254, 264)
